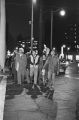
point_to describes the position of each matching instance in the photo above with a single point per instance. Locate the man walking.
(34, 62)
(20, 64)
(53, 68)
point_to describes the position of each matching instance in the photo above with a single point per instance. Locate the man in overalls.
(34, 62)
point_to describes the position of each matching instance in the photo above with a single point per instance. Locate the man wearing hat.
(20, 64)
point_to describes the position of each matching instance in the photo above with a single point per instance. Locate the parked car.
(63, 64)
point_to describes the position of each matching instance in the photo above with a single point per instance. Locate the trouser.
(41, 78)
(20, 76)
(34, 72)
(51, 79)
(15, 76)
(27, 76)
(51, 83)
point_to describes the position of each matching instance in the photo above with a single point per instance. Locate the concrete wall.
(2, 33)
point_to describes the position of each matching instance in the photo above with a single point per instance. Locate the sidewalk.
(77, 110)
(20, 106)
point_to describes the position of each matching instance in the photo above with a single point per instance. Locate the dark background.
(18, 15)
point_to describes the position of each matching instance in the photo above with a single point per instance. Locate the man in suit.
(20, 65)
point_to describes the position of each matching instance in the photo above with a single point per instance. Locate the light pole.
(62, 49)
(33, 2)
(62, 13)
(68, 48)
(51, 29)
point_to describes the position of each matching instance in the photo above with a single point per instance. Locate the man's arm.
(46, 63)
(58, 65)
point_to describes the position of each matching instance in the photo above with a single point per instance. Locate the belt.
(33, 65)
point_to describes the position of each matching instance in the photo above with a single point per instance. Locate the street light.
(33, 2)
(62, 13)
(62, 48)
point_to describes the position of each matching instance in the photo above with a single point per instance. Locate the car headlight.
(67, 63)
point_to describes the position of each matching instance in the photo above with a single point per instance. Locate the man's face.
(34, 53)
(44, 57)
(52, 53)
(20, 51)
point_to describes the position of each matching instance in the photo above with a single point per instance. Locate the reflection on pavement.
(72, 71)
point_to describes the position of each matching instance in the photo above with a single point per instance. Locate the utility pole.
(51, 30)
(40, 31)
(32, 28)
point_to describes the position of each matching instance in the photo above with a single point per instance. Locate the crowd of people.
(35, 69)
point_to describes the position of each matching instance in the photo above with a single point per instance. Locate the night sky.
(18, 14)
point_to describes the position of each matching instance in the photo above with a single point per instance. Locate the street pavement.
(21, 106)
